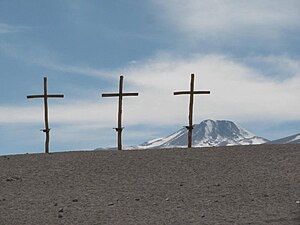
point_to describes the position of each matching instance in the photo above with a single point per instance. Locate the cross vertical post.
(119, 129)
(47, 130)
(191, 105)
(190, 128)
(45, 96)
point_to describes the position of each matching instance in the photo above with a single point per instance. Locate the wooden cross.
(191, 93)
(45, 96)
(120, 95)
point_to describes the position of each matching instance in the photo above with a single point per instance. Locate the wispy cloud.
(232, 19)
(39, 56)
(7, 28)
(86, 71)
(277, 68)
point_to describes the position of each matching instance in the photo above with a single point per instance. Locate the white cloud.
(238, 92)
(19, 114)
(221, 19)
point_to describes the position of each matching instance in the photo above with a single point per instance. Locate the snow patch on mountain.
(296, 138)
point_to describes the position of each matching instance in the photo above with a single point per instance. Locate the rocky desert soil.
(225, 185)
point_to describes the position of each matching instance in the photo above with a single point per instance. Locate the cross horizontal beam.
(43, 96)
(191, 92)
(119, 94)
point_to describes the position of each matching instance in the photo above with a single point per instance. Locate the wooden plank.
(201, 92)
(130, 94)
(117, 94)
(35, 96)
(47, 130)
(190, 131)
(182, 92)
(47, 96)
(55, 96)
(189, 92)
(111, 95)
(120, 113)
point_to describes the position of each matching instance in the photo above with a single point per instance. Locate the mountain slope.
(293, 139)
(206, 134)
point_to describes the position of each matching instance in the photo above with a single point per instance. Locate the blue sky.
(246, 52)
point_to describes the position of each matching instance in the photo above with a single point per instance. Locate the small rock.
(61, 210)
(137, 199)
(167, 199)
(110, 204)
(55, 204)
(13, 178)
(297, 202)
(75, 200)
(203, 216)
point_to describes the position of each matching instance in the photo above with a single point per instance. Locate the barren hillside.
(224, 185)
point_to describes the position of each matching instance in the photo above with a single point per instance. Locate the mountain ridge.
(292, 139)
(208, 133)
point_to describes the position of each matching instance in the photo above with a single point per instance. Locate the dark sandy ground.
(227, 185)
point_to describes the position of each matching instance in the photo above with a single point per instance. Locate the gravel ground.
(224, 185)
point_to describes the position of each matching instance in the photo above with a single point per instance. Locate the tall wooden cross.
(45, 96)
(191, 92)
(119, 129)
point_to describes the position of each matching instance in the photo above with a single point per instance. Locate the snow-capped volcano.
(207, 133)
